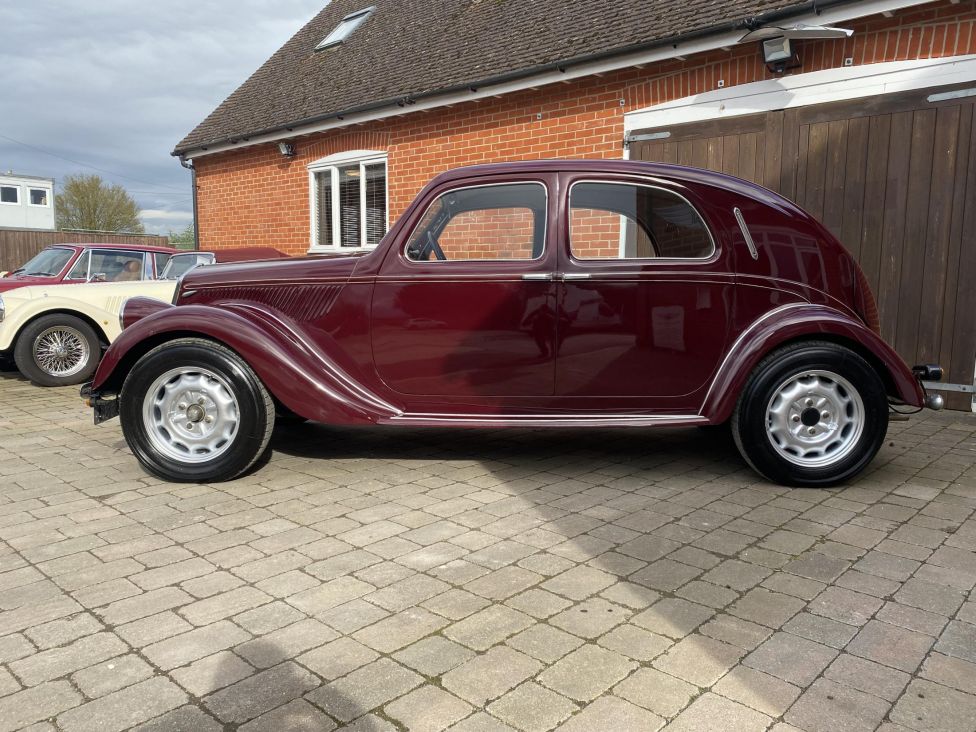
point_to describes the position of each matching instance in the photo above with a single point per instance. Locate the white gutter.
(831, 16)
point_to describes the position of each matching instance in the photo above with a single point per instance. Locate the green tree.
(184, 239)
(88, 202)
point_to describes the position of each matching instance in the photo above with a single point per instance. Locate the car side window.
(630, 221)
(79, 270)
(488, 223)
(116, 266)
(161, 259)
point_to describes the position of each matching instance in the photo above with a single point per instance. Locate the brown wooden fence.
(19, 245)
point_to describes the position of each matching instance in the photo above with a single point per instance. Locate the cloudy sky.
(111, 86)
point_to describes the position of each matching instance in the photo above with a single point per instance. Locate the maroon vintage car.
(534, 294)
(64, 264)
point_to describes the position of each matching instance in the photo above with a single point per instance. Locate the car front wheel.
(194, 411)
(57, 350)
(812, 414)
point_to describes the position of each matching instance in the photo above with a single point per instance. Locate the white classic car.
(56, 334)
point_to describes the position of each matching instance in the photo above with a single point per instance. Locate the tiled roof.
(412, 48)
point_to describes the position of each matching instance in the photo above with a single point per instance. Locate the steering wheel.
(433, 246)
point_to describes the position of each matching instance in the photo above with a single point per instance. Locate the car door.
(464, 305)
(644, 294)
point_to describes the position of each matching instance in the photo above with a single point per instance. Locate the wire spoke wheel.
(191, 415)
(61, 351)
(815, 419)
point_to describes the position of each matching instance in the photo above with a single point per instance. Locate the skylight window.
(345, 28)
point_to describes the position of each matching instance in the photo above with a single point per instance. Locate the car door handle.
(574, 276)
(538, 276)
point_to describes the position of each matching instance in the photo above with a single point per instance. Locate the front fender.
(304, 376)
(106, 321)
(795, 322)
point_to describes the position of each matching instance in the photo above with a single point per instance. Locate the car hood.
(15, 281)
(291, 270)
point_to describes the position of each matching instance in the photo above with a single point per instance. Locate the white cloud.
(116, 84)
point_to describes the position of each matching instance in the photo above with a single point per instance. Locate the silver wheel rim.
(61, 351)
(191, 415)
(815, 419)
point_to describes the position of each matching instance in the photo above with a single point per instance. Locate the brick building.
(328, 142)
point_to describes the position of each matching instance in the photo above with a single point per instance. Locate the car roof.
(680, 173)
(105, 245)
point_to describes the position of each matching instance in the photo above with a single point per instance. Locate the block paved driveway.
(481, 581)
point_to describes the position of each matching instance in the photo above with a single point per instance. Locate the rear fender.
(304, 376)
(797, 322)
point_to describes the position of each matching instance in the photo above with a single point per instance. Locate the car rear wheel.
(57, 350)
(812, 414)
(194, 411)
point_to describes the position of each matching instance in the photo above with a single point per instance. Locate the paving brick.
(111, 675)
(433, 656)
(586, 673)
(488, 627)
(699, 659)
(673, 617)
(428, 709)
(791, 658)
(329, 595)
(155, 628)
(197, 643)
(867, 676)
(656, 691)
(143, 605)
(830, 707)
(56, 662)
(400, 630)
(224, 605)
(490, 675)
(365, 689)
(757, 690)
(532, 708)
(714, 713)
(891, 645)
(285, 643)
(339, 657)
(37, 703)
(927, 706)
(211, 673)
(260, 693)
(125, 708)
(953, 672)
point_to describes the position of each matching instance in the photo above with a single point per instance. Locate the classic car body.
(56, 335)
(76, 263)
(708, 287)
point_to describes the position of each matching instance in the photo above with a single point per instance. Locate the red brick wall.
(254, 196)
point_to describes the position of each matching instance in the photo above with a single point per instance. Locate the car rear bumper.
(929, 372)
(103, 408)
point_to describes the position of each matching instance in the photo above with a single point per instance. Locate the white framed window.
(39, 197)
(345, 28)
(348, 201)
(10, 195)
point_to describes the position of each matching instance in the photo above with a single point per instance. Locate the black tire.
(72, 327)
(256, 412)
(852, 450)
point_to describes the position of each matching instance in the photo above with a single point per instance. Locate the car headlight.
(3, 309)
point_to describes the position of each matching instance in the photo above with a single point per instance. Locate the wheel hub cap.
(61, 351)
(815, 419)
(191, 415)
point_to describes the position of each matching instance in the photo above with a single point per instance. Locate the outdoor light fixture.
(777, 42)
(779, 55)
(287, 149)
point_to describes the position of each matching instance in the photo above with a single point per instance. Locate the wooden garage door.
(894, 178)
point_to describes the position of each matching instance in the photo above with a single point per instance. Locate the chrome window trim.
(545, 225)
(746, 233)
(569, 225)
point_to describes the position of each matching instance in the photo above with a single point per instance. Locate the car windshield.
(47, 264)
(180, 264)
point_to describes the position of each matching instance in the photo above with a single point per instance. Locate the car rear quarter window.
(490, 223)
(632, 221)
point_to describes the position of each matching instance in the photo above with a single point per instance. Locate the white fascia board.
(816, 87)
(831, 16)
